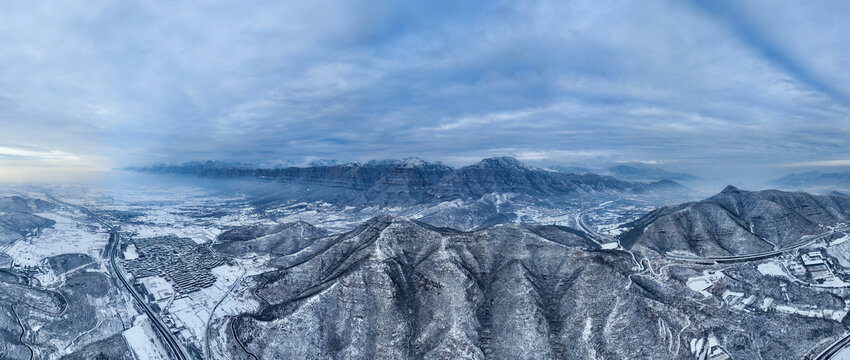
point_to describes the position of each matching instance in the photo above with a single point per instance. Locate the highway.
(833, 349)
(592, 234)
(600, 239)
(826, 354)
(749, 257)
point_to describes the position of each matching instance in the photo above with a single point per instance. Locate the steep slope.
(492, 191)
(737, 222)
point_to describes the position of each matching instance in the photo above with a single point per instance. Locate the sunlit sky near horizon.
(733, 89)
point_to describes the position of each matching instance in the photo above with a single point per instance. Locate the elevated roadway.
(751, 257)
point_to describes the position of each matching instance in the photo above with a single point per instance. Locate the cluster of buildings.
(816, 266)
(180, 261)
(811, 265)
(739, 301)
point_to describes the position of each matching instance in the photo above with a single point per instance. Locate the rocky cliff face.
(409, 182)
(737, 222)
(507, 175)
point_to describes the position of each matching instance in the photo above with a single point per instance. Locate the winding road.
(834, 348)
(23, 332)
(212, 313)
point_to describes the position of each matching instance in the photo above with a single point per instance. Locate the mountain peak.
(412, 161)
(408, 162)
(501, 162)
(321, 162)
(729, 189)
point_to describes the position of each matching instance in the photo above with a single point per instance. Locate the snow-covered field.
(772, 268)
(69, 235)
(840, 250)
(702, 283)
(158, 287)
(192, 313)
(142, 340)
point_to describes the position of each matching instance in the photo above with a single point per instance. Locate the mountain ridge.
(737, 222)
(813, 180)
(647, 173)
(438, 295)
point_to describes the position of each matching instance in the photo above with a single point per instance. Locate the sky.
(718, 89)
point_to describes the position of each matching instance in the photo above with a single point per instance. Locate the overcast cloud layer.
(711, 88)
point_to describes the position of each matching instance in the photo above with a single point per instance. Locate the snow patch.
(771, 269)
(142, 340)
(701, 284)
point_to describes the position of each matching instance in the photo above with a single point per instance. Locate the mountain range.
(394, 288)
(646, 173)
(630, 172)
(814, 181)
(413, 181)
(398, 289)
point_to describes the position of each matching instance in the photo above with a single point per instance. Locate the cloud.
(701, 86)
(13, 153)
(557, 155)
(37, 164)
